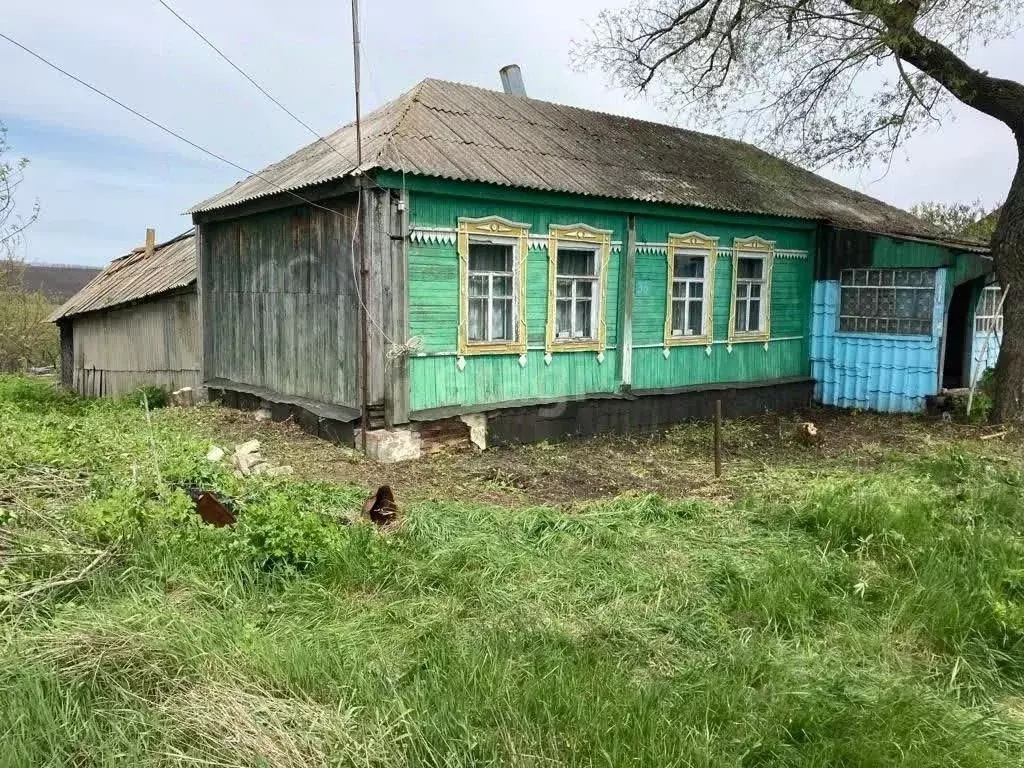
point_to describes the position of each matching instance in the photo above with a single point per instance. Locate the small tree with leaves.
(961, 219)
(25, 336)
(832, 81)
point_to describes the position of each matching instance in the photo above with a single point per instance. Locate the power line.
(211, 153)
(171, 131)
(254, 84)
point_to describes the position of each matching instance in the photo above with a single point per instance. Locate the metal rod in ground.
(718, 438)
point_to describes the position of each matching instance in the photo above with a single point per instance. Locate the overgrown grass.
(838, 617)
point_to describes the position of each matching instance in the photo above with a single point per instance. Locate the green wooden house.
(538, 270)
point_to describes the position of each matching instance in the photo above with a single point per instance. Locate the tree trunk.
(1008, 253)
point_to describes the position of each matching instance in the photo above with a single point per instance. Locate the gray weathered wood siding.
(280, 305)
(152, 343)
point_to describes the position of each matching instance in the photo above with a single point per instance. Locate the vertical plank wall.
(280, 305)
(155, 342)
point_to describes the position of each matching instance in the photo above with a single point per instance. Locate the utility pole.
(364, 272)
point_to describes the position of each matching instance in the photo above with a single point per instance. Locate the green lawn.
(823, 613)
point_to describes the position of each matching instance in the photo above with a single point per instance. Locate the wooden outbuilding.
(134, 324)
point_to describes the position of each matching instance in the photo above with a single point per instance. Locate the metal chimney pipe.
(150, 241)
(512, 80)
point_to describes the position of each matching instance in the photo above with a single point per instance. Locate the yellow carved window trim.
(576, 235)
(493, 228)
(690, 242)
(752, 247)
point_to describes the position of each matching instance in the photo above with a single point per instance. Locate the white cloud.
(301, 52)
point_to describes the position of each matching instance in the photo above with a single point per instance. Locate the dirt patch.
(675, 463)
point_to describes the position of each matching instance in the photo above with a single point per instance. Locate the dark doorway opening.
(957, 346)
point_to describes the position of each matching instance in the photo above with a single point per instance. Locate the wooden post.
(364, 271)
(718, 438)
(627, 271)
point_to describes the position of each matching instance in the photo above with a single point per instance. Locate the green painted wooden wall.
(749, 361)
(433, 274)
(433, 286)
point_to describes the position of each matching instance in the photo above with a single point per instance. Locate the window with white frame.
(577, 294)
(989, 315)
(492, 292)
(689, 294)
(899, 301)
(751, 294)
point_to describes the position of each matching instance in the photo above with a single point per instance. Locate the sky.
(102, 176)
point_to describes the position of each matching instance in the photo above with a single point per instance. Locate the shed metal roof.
(135, 276)
(455, 131)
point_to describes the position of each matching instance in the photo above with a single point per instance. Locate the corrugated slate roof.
(461, 132)
(135, 276)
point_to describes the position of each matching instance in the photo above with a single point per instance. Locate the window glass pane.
(846, 277)
(874, 277)
(477, 320)
(750, 269)
(689, 266)
(478, 285)
(490, 257)
(860, 277)
(678, 289)
(904, 302)
(847, 301)
(696, 290)
(902, 277)
(695, 324)
(501, 286)
(501, 320)
(868, 302)
(678, 317)
(846, 324)
(754, 323)
(582, 327)
(914, 277)
(741, 315)
(928, 277)
(741, 291)
(924, 304)
(887, 303)
(563, 289)
(755, 290)
(573, 261)
(584, 289)
(563, 318)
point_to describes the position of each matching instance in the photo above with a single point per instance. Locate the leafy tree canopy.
(964, 219)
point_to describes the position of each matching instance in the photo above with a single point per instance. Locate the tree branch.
(996, 97)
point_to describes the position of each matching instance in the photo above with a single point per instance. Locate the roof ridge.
(389, 133)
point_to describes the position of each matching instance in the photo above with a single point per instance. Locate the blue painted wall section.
(870, 371)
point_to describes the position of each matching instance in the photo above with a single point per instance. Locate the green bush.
(151, 394)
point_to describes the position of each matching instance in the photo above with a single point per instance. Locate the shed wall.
(280, 304)
(152, 343)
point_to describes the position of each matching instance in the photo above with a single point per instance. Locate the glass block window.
(688, 295)
(576, 294)
(989, 315)
(492, 292)
(898, 301)
(750, 294)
